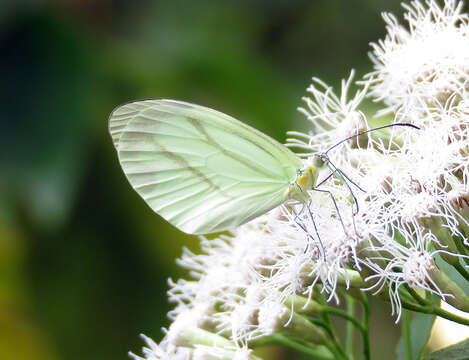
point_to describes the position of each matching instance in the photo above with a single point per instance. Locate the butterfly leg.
(327, 178)
(350, 180)
(316, 230)
(302, 226)
(353, 214)
(344, 177)
(297, 216)
(337, 171)
(335, 205)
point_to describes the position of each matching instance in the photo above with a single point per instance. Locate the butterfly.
(202, 170)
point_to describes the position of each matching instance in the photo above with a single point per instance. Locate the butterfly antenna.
(370, 130)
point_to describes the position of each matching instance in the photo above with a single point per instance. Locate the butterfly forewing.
(201, 170)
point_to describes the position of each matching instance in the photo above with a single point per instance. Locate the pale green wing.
(201, 170)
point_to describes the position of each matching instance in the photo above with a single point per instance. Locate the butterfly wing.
(200, 169)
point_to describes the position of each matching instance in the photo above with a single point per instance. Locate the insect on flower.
(204, 171)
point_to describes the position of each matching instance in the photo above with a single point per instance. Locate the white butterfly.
(202, 170)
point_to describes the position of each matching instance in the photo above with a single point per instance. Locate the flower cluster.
(397, 200)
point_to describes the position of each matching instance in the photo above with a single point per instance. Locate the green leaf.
(420, 329)
(453, 274)
(459, 351)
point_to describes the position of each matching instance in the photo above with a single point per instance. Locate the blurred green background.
(83, 260)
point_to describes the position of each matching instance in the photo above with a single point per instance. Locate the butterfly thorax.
(306, 178)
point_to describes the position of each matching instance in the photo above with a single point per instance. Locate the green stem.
(315, 354)
(334, 346)
(326, 323)
(406, 334)
(406, 297)
(429, 308)
(462, 250)
(344, 315)
(366, 328)
(337, 351)
(333, 336)
(349, 326)
(462, 270)
(416, 308)
(450, 316)
(416, 296)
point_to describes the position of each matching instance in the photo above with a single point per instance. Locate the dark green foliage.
(459, 351)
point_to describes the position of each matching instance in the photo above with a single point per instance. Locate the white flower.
(214, 353)
(409, 264)
(272, 317)
(319, 248)
(163, 351)
(167, 351)
(333, 118)
(425, 63)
